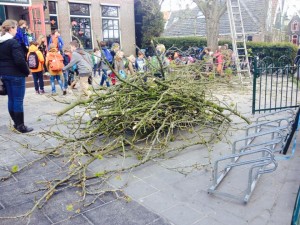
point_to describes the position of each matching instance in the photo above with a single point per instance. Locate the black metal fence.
(275, 84)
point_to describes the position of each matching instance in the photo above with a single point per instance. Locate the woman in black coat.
(13, 71)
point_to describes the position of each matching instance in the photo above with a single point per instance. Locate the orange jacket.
(40, 56)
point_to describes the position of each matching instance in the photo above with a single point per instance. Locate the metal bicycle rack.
(261, 141)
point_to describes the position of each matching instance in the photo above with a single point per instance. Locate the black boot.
(19, 120)
(12, 115)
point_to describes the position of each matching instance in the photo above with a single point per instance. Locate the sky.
(293, 6)
(173, 5)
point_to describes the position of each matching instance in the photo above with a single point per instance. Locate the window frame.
(293, 28)
(54, 15)
(71, 16)
(111, 40)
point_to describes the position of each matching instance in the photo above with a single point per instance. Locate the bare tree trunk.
(212, 33)
(212, 10)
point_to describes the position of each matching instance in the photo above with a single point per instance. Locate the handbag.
(3, 90)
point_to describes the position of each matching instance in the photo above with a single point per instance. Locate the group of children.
(217, 61)
(66, 65)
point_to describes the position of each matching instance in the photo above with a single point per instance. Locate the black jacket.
(12, 59)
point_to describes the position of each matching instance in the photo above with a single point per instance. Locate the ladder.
(238, 39)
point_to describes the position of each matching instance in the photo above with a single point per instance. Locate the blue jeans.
(104, 78)
(16, 91)
(96, 68)
(52, 81)
(38, 80)
(66, 77)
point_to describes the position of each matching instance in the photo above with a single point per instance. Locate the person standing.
(35, 60)
(67, 60)
(43, 49)
(105, 64)
(21, 36)
(56, 39)
(141, 65)
(96, 57)
(13, 71)
(84, 66)
(54, 64)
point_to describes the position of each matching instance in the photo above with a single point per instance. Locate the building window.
(79, 9)
(53, 15)
(2, 14)
(295, 26)
(110, 24)
(81, 24)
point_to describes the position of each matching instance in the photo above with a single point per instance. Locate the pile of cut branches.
(148, 115)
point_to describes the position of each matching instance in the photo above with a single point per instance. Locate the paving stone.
(157, 182)
(120, 213)
(77, 220)
(144, 171)
(209, 221)
(140, 189)
(122, 180)
(100, 166)
(160, 221)
(57, 207)
(37, 218)
(25, 190)
(4, 172)
(42, 167)
(168, 176)
(160, 201)
(182, 214)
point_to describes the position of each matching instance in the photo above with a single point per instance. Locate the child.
(119, 65)
(219, 59)
(54, 64)
(35, 60)
(67, 58)
(140, 63)
(84, 66)
(96, 57)
(30, 35)
(105, 68)
(129, 65)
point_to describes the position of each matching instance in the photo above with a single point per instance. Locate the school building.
(87, 20)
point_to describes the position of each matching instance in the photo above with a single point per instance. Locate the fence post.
(255, 74)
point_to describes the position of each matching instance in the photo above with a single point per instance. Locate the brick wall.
(126, 15)
(127, 27)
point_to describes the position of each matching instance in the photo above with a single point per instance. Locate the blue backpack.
(108, 55)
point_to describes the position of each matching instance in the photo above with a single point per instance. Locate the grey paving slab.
(160, 201)
(182, 214)
(160, 221)
(122, 180)
(20, 192)
(66, 203)
(140, 189)
(121, 212)
(208, 221)
(36, 218)
(79, 219)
